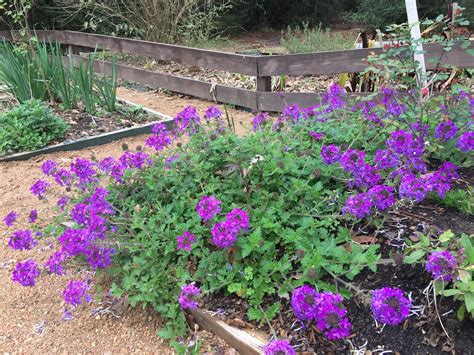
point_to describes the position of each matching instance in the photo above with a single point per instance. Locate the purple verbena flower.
(53, 265)
(400, 141)
(74, 241)
(386, 159)
(33, 216)
(317, 136)
(382, 196)
(330, 154)
(10, 218)
(224, 234)
(49, 167)
(99, 257)
(390, 306)
(134, 160)
(446, 130)
(76, 293)
(365, 176)
(187, 121)
(62, 202)
(441, 265)
(84, 170)
(63, 177)
(239, 218)
(358, 205)
(22, 240)
(39, 188)
(334, 97)
(259, 120)
(188, 297)
(412, 187)
(185, 241)
(212, 112)
(331, 316)
(279, 347)
(304, 302)
(466, 142)
(26, 273)
(170, 160)
(352, 159)
(208, 207)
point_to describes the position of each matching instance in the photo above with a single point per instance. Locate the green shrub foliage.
(29, 126)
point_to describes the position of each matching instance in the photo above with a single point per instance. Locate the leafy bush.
(308, 40)
(258, 215)
(30, 126)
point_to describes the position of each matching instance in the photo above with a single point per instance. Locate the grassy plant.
(308, 40)
(85, 79)
(107, 87)
(461, 200)
(19, 74)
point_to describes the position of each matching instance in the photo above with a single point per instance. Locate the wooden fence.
(261, 67)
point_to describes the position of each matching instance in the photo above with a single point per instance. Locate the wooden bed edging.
(93, 140)
(240, 340)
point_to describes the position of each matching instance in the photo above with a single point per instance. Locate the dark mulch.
(83, 124)
(421, 334)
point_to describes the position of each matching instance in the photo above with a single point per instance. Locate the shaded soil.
(421, 333)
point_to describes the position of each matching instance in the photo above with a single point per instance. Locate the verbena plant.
(264, 216)
(317, 39)
(30, 126)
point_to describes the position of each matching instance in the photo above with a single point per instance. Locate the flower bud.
(281, 165)
(124, 147)
(312, 274)
(179, 144)
(299, 253)
(139, 148)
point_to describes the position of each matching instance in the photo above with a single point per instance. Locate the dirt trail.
(30, 318)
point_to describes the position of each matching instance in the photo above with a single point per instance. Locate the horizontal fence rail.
(261, 67)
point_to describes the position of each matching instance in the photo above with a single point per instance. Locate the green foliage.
(30, 126)
(308, 40)
(462, 286)
(107, 86)
(85, 79)
(459, 199)
(270, 175)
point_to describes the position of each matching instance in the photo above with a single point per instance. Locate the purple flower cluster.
(49, 167)
(212, 112)
(383, 196)
(317, 136)
(170, 160)
(304, 302)
(325, 309)
(466, 142)
(84, 170)
(441, 265)
(26, 273)
(224, 234)
(331, 316)
(259, 120)
(352, 159)
(160, 139)
(10, 218)
(279, 347)
(208, 207)
(390, 306)
(22, 240)
(392, 106)
(39, 188)
(358, 205)
(330, 154)
(136, 160)
(187, 121)
(76, 293)
(446, 130)
(189, 296)
(185, 241)
(54, 263)
(33, 216)
(334, 97)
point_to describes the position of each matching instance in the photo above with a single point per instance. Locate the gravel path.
(30, 318)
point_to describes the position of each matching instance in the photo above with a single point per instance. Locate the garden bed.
(85, 130)
(419, 334)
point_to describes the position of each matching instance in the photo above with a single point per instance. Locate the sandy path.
(24, 310)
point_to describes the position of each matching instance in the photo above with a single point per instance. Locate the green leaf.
(461, 312)
(166, 333)
(255, 314)
(446, 236)
(469, 299)
(414, 257)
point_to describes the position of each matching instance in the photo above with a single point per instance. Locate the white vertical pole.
(413, 23)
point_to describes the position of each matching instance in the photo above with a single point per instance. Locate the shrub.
(308, 40)
(258, 215)
(29, 126)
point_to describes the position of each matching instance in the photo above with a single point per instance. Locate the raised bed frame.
(261, 67)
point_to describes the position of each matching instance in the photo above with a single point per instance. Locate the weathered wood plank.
(229, 62)
(243, 342)
(192, 87)
(352, 61)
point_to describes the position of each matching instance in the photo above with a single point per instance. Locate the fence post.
(264, 83)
